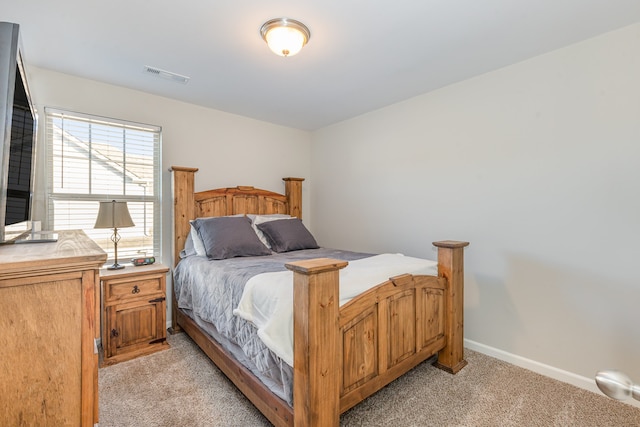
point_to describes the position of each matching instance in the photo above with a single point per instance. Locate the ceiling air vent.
(167, 75)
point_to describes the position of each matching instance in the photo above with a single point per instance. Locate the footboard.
(388, 331)
(344, 354)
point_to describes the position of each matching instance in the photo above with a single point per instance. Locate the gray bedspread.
(210, 290)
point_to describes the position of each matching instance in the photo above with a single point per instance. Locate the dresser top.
(73, 249)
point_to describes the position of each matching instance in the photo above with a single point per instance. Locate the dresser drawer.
(119, 289)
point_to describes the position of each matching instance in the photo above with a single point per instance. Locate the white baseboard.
(542, 369)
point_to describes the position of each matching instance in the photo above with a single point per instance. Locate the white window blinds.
(92, 159)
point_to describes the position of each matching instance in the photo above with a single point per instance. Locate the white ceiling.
(362, 55)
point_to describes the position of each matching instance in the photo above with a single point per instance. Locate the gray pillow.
(288, 235)
(228, 237)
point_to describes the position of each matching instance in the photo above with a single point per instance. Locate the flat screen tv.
(18, 133)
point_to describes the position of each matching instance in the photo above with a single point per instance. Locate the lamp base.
(115, 266)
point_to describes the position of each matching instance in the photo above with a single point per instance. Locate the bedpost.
(183, 206)
(450, 266)
(293, 191)
(316, 342)
(183, 211)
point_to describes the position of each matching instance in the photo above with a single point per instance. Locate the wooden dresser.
(48, 314)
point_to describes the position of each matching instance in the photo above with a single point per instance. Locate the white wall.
(538, 166)
(228, 149)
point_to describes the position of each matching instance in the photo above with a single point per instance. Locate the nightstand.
(134, 312)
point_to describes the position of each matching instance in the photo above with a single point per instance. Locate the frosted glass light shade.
(285, 37)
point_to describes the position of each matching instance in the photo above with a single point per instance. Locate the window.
(92, 159)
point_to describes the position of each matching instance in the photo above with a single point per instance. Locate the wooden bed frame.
(341, 354)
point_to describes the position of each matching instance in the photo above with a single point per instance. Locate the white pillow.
(259, 219)
(198, 246)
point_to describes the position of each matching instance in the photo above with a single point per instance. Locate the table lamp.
(114, 215)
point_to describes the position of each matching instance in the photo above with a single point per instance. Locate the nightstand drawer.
(116, 290)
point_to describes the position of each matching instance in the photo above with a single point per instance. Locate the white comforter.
(267, 300)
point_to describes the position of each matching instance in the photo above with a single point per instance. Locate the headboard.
(188, 204)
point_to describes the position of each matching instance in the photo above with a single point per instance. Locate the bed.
(341, 352)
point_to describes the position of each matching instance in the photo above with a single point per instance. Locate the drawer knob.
(135, 289)
(114, 333)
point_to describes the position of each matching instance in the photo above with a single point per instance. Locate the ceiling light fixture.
(284, 36)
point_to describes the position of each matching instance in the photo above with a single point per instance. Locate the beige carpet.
(181, 387)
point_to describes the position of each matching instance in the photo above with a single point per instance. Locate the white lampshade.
(113, 215)
(285, 37)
